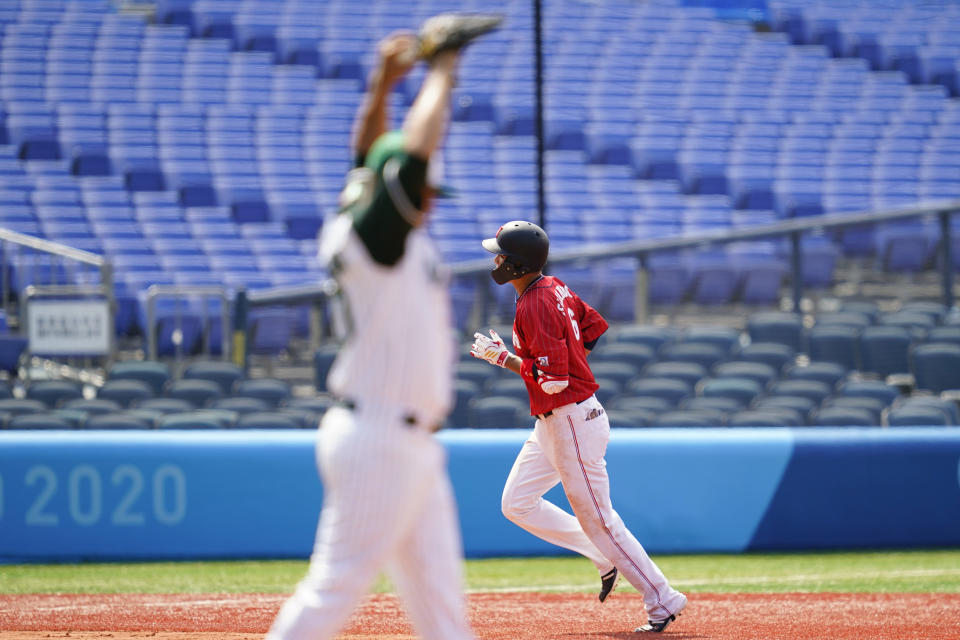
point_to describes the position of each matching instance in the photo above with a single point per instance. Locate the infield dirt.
(495, 616)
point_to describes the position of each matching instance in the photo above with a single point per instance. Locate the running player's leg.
(356, 534)
(428, 566)
(522, 503)
(579, 447)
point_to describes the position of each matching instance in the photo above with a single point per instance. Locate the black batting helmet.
(525, 246)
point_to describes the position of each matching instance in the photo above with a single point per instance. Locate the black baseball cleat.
(608, 582)
(658, 626)
(448, 31)
(655, 627)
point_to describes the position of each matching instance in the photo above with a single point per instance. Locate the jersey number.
(573, 323)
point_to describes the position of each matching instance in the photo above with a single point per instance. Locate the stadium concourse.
(202, 143)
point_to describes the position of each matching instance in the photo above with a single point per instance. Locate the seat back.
(125, 392)
(199, 393)
(498, 412)
(54, 393)
(744, 390)
(688, 372)
(225, 374)
(766, 417)
(154, 373)
(837, 343)
(936, 366)
(778, 327)
(271, 390)
(839, 416)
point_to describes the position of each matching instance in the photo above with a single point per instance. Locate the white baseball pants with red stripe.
(568, 448)
(388, 505)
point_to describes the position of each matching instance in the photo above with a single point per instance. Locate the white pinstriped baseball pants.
(388, 504)
(569, 449)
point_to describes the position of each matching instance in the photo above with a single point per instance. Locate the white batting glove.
(490, 349)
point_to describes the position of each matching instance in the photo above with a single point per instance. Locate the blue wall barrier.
(243, 494)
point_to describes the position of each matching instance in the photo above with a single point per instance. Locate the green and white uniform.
(388, 501)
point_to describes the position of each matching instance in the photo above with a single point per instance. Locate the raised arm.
(397, 55)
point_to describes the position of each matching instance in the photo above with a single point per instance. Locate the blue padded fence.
(152, 495)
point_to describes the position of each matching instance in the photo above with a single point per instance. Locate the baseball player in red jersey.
(553, 331)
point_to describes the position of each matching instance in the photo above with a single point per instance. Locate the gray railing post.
(240, 329)
(106, 281)
(641, 295)
(151, 324)
(946, 258)
(796, 266)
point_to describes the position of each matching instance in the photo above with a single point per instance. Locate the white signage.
(68, 327)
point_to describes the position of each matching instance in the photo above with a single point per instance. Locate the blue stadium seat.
(851, 318)
(53, 393)
(722, 404)
(271, 390)
(620, 372)
(838, 416)
(198, 392)
(831, 373)
(472, 370)
(154, 373)
(761, 372)
(125, 392)
(689, 418)
(224, 373)
(43, 420)
(688, 372)
(637, 355)
(267, 420)
(815, 390)
(800, 405)
(918, 323)
(760, 280)
(946, 333)
(117, 420)
(703, 354)
(91, 406)
(670, 389)
(936, 366)
(650, 335)
(498, 412)
(766, 417)
(13, 407)
(874, 406)
(190, 420)
(742, 389)
(777, 327)
(775, 354)
(839, 344)
(464, 392)
(726, 338)
(913, 414)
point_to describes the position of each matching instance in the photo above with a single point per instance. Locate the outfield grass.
(891, 571)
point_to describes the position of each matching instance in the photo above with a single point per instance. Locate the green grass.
(889, 571)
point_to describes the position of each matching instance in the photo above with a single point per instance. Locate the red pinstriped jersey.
(550, 328)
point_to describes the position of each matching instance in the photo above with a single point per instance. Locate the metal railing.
(794, 230)
(183, 297)
(49, 270)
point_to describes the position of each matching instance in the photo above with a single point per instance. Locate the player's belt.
(408, 418)
(547, 414)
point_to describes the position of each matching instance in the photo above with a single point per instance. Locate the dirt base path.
(500, 616)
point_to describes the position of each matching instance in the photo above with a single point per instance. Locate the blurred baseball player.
(388, 503)
(553, 331)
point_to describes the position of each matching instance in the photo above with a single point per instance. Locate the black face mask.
(506, 272)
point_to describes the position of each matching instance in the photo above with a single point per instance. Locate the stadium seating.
(207, 146)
